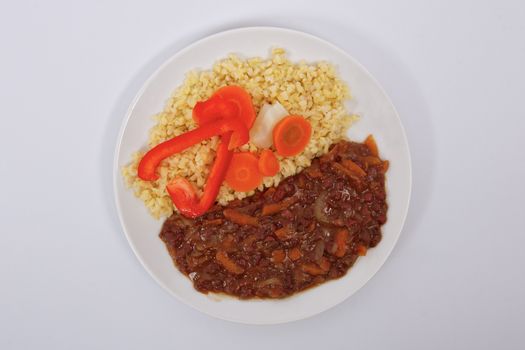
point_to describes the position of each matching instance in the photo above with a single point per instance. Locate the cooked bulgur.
(311, 90)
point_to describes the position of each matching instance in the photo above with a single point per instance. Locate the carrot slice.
(213, 222)
(313, 269)
(294, 254)
(370, 142)
(243, 174)
(350, 165)
(278, 256)
(268, 163)
(341, 237)
(223, 259)
(345, 171)
(269, 209)
(240, 218)
(324, 264)
(291, 135)
(361, 250)
(371, 160)
(284, 233)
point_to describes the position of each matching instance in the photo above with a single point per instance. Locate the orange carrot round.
(268, 163)
(243, 174)
(291, 135)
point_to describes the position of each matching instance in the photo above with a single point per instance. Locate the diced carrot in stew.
(314, 172)
(312, 269)
(370, 142)
(325, 264)
(353, 167)
(351, 174)
(295, 254)
(223, 259)
(248, 241)
(371, 160)
(213, 222)
(361, 250)
(269, 209)
(341, 238)
(278, 256)
(284, 233)
(240, 218)
(269, 192)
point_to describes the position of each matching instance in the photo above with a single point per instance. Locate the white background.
(454, 70)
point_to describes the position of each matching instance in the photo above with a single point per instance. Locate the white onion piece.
(268, 117)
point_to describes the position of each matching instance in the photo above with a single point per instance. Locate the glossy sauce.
(309, 229)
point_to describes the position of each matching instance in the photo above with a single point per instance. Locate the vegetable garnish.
(240, 218)
(148, 164)
(214, 108)
(243, 174)
(227, 102)
(183, 193)
(268, 163)
(291, 135)
(370, 142)
(230, 104)
(229, 113)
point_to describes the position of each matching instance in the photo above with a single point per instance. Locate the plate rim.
(147, 83)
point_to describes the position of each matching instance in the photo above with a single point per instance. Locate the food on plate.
(309, 229)
(264, 196)
(228, 113)
(311, 90)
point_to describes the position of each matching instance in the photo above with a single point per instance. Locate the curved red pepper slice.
(149, 163)
(183, 193)
(229, 101)
(215, 108)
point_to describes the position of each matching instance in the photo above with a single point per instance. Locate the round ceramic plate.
(378, 117)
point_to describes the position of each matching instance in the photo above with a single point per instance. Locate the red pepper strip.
(228, 102)
(149, 163)
(183, 193)
(215, 108)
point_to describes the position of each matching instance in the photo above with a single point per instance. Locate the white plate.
(378, 117)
